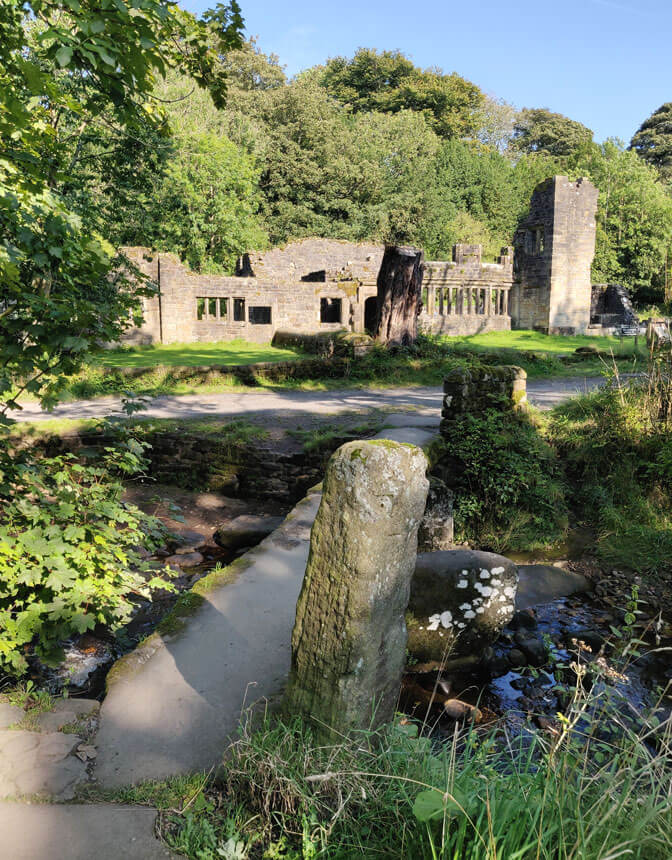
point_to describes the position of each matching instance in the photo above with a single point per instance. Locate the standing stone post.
(349, 639)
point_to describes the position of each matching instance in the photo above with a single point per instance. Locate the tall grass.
(598, 789)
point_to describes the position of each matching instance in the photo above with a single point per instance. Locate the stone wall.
(311, 258)
(467, 296)
(472, 390)
(208, 308)
(554, 249)
(205, 461)
(323, 285)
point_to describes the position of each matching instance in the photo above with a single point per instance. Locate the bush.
(509, 492)
(69, 553)
(618, 460)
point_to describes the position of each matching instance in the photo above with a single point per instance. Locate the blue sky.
(606, 63)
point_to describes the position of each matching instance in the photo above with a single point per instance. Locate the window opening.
(260, 315)
(330, 310)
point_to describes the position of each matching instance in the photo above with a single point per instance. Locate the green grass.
(533, 341)
(183, 368)
(222, 353)
(595, 791)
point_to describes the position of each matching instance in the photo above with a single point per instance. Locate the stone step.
(80, 832)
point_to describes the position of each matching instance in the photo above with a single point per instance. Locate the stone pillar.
(349, 639)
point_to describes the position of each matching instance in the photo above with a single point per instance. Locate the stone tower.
(554, 249)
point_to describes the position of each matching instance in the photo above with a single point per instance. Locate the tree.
(66, 66)
(541, 131)
(497, 119)
(653, 141)
(389, 82)
(205, 209)
(634, 218)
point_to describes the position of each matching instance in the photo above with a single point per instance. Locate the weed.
(587, 793)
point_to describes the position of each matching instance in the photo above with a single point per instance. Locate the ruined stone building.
(314, 285)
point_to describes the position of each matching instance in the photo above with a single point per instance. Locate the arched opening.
(371, 315)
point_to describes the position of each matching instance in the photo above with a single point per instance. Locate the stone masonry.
(326, 285)
(554, 249)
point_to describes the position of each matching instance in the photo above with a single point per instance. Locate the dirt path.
(297, 405)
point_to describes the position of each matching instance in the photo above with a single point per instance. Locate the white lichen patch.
(463, 583)
(446, 619)
(497, 570)
(485, 574)
(470, 614)
(485, 590)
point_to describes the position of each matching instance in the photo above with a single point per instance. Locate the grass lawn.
(222, 353)
(166, 369)
(533, 341)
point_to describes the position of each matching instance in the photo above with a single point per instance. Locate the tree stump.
(399, 295)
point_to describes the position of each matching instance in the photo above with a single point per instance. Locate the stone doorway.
(370, 315)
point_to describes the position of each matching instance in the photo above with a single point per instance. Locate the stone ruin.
(611, 309)
(315, 286)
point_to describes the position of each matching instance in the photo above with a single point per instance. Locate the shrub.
(618, 460)
(69, 553)
(509, 492)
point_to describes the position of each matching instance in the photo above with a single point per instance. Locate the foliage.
(70, 552)
(541, 131)
(617, 456)
(388, 82)
(507, 481)
(653, 140)
(205, 206)
(64, 68)
(634, 222)
(397, 793)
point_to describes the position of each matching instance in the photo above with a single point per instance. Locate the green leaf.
(97, 25)
(63, 55)
(429, 805)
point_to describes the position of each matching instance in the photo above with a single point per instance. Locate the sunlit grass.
(226, 353)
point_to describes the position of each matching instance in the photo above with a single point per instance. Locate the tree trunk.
(399, 295)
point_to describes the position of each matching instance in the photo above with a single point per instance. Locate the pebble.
(517, 658)
(459, 710)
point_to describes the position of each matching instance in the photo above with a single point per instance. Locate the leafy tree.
(66, 65)
(497, 119)
(483, 195)
(389, 82)
(634, 218)
(653, 140)
(539, 130)
(205, 207)
(248, 69)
